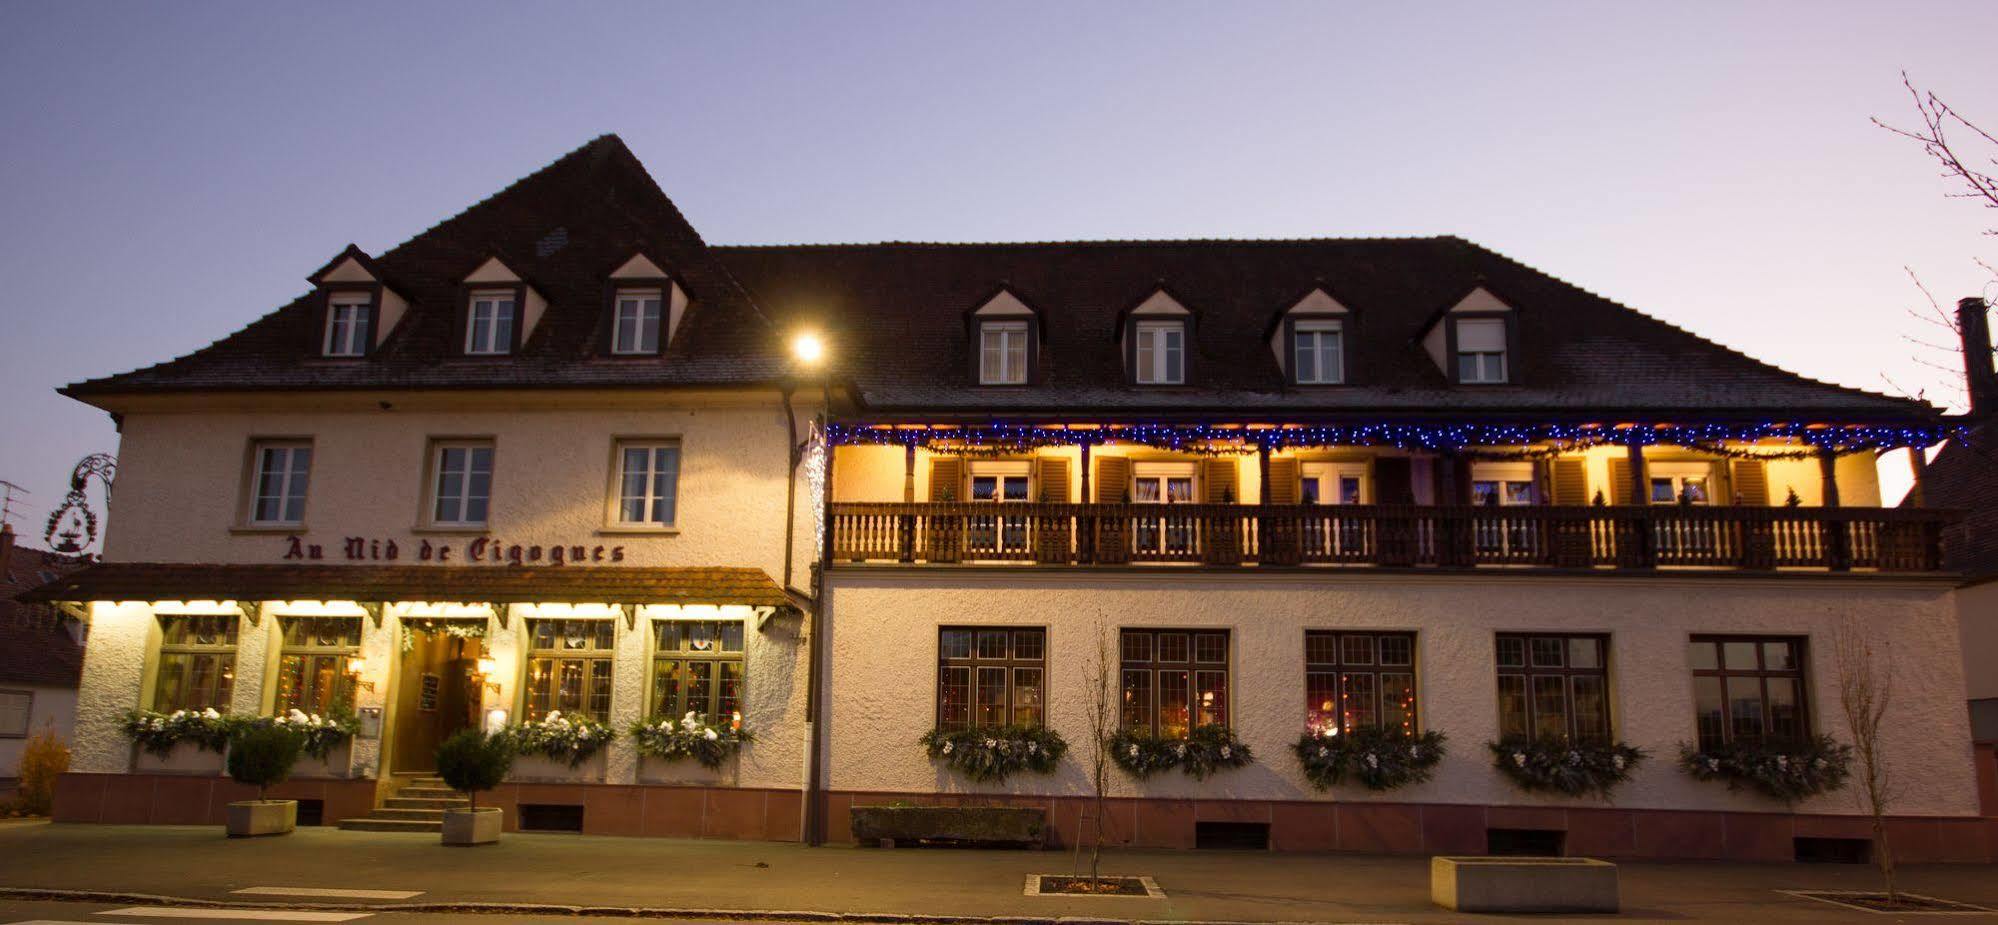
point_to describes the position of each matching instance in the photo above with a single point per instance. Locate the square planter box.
(536, 769)
(1523, 884)
(186, 758)
(466, 827)
(251, 818)
(959, 825)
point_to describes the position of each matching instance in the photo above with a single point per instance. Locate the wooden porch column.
(1838, 542)
(1640, 480)
(909, 474)
(1918, 466)
(1087, 498)
(1263, 473)
(906, 525)
(1640, 536)
(1085, 525)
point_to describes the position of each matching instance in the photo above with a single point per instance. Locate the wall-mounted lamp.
(357, 665)
(486, 668)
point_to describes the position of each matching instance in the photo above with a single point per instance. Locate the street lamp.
(808, 348)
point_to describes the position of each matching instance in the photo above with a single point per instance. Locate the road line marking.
(253, 915)
(319, 891)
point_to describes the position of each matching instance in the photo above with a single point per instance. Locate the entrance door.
(1001, 483)
(1333, 536)
(436, 696)
(1164, 484)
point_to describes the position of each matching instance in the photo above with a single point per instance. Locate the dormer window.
(1318, 351)
(635, 322)
(1159, 352)
(489, 323)
(1003, 352)
(1481, 350)
(347, 328)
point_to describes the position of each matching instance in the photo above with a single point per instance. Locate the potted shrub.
(471, 762)
(261, 754)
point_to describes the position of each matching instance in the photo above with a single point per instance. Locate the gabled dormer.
(1156, 338)
(643, 305)
(1006, 336)
(1475, 341)
(1312, 340)
(496, 311)
(351, 310)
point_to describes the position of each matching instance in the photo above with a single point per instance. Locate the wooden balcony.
(1536, 537)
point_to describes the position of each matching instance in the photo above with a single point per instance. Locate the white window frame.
(291, 484)
(347, 333)
(637, 301)
(649, 497)
(1153, 346)
(499, 304)
(1502, 474)
(1315, 331)
(1010, 350)
(464, 495)
(1333, 473)
(1677, 473)
(1491, 367)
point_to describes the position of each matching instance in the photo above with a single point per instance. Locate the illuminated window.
(1173, 680)
(569, 668)
(697, 668)
(197, 663)
(1553, 687)
(312, 670)
(1748, 689)
(1356, 680)
(991, 676)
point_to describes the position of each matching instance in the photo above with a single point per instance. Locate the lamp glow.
(808, 348)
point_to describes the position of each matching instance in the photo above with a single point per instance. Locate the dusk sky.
(173, 171)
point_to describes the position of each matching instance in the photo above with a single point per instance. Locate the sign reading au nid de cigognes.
(480, 551)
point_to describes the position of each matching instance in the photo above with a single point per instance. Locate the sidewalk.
(759, 878)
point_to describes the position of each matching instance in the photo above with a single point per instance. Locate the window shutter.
(946, 478)
(1113, 479)
(1619, 492)
(1052, 471)
(1571, 483)
(1394, 480)
(1751, 482)
(1219, 474)
(1283, 487)
(1481, 335)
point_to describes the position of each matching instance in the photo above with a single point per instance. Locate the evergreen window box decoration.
(1569, 768)
(158, 733)
(1786, 771)
(560, 738)
(690, 737)
(319, 735)
(1376, 757)
(992, 754)
(1205, 750)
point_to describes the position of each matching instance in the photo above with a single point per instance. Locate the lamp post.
(808, 354)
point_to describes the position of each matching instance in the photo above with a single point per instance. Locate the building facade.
(552, 456)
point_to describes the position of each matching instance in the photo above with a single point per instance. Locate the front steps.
(418, 806)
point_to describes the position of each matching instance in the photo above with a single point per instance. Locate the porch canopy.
(496, 584)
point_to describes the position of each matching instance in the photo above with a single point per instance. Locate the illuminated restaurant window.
(991, 676)
(1173, 680)
(312, 671)
(197, 662)
(569, 668)
(1356, 680)
(697, 668)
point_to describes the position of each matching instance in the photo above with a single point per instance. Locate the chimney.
(6, 550)
(1973, 322)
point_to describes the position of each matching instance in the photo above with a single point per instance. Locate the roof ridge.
(1084, 242)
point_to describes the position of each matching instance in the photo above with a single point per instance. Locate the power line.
(7, 503)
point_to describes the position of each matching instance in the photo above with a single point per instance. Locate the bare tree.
(1102, 724)
(1865, 687)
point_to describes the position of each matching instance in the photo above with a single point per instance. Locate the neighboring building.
(550, 454)
(41, 654)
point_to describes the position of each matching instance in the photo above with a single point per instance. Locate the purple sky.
(174, 170)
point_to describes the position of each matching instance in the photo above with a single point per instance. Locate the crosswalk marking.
(327, 892)
(250, 915)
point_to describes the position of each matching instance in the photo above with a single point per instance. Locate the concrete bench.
(1518, 884)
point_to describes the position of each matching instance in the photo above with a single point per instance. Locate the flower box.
(339, 762)
(464, 828)
(251, 818)
(186, 758)
(888, 826)
(542, 769)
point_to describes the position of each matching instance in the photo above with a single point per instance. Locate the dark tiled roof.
(36, 647)
(1964, 477)
(564, 229)
(117, 581)
(897, 310)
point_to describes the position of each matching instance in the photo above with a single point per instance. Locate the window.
(990, 677)
(1334, 483)
(278, 494)
(697, 668)
(1481, 350)
(1356, 680)
(1174, 680)
(1748, 689)
(1163, 483)
(347, 325)
(648, 482)
(1002, 352)
(312, 671)
(1674, 483)
(15, 708)
(569, 668)
(197, 663)
(1317, 357)
(489, 323)
(464, 484)
(635, 327)
(1160, 357)
(1553, 687)
(1000, 481)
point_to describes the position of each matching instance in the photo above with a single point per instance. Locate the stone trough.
(1523, 884)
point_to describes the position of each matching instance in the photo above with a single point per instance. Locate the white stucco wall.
(884, 628)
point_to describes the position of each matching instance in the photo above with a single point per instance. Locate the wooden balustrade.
(1662, 536)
